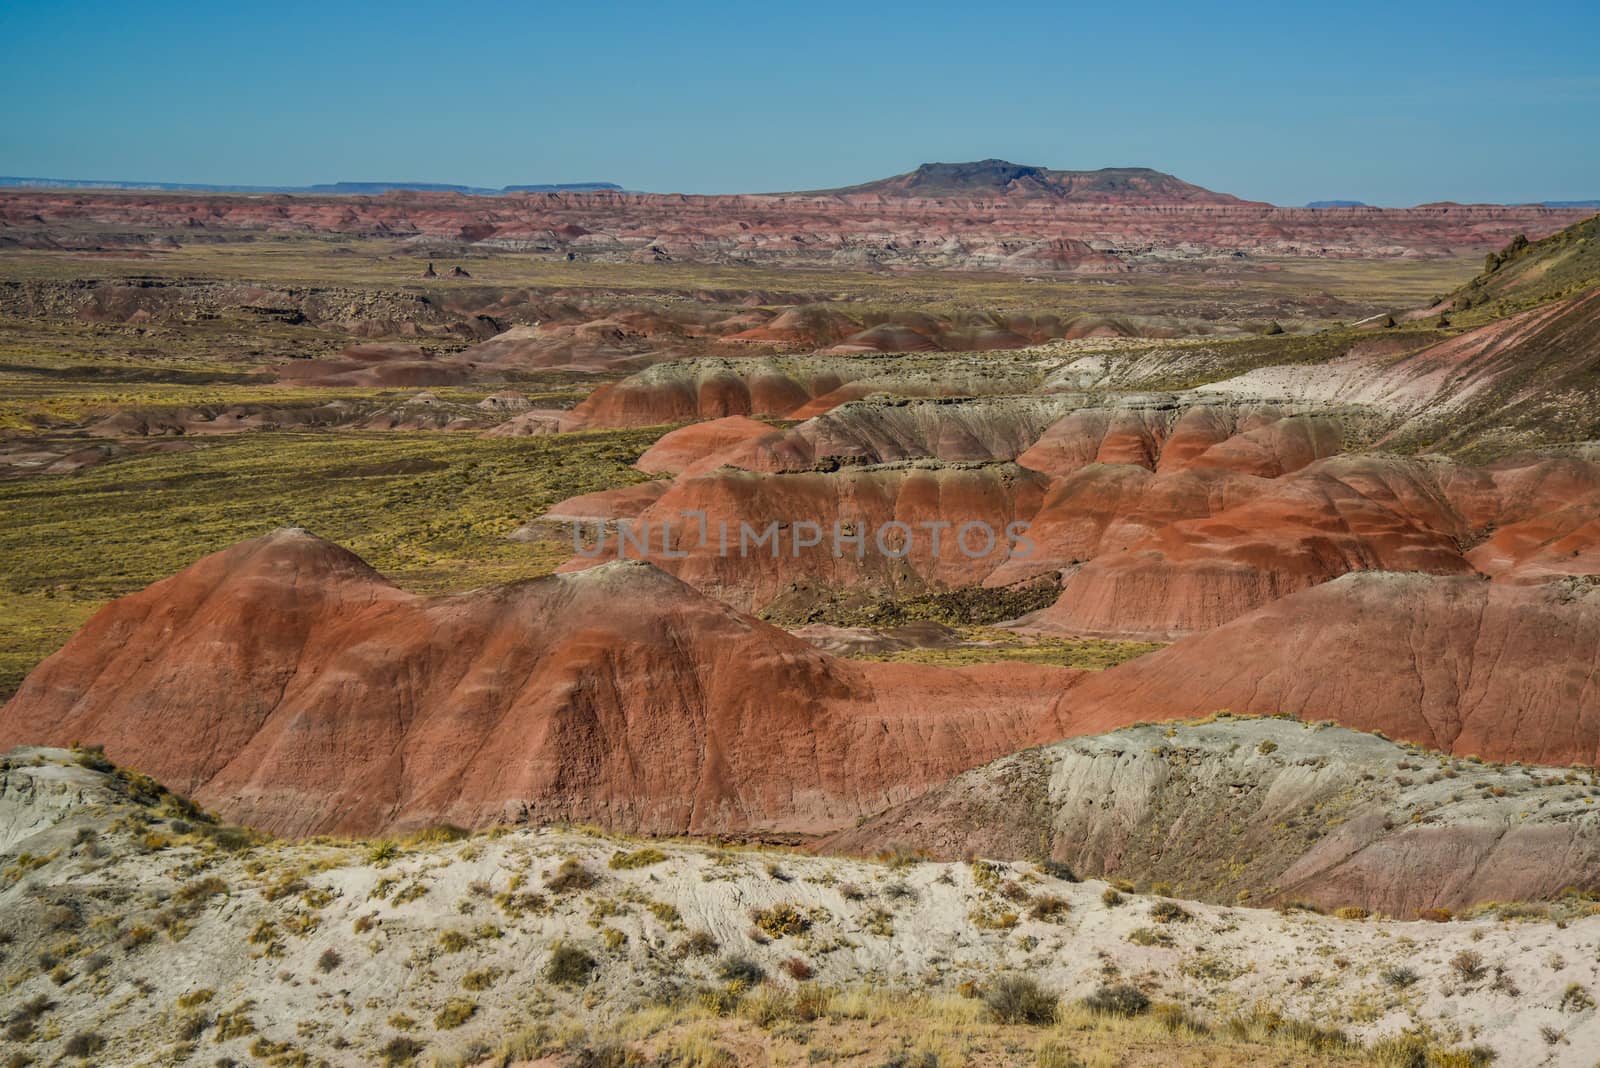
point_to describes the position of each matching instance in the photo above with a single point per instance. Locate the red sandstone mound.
(699, 443)
(1336, 516)
(791, 521)
(1258, 439)
(1454, 663)
(290, 686)
(1109, 508)
(688, 390)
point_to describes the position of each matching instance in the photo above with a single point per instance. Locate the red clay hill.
(290, 686)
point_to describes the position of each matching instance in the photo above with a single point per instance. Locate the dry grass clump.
(571, 875)
(568, 965)
(1169, 912)
(456, 1011)
(638, 858)
(399, 1050)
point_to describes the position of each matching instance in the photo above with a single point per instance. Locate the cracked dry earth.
(137, 932)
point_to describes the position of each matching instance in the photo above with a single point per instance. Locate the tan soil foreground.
(133, 923)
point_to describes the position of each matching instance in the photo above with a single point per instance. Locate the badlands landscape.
(989, 615)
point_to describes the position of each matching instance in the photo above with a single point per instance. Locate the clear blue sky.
(1392, 104)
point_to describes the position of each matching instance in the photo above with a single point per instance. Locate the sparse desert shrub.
(988, 874)
(1112, 897)
(1169, 912)
(1468, 965)
(880, 922)
(329, 960)
(613, 938)
(201, 996)
(286, 885)
(235, 1023)
(775, 871)
(851, 892)
(1351, 912)
(381, 853)
(1436, 915)
(736, 969)
(1017, 999)
(363, 924)
(202, 889)
(455, 1012)
(1576, 999)
(781, 919)
(439, 834)
(401, 1049)
(568, 965)
(1149, 936)
(1399, 976)
(1012, 890)
(84, 1044)
(571, 875)
(191, 1025)
(480, 979)
(992, 919)
(1119, 999)
(1049, 907)
(454, 941)
(798, 969)
(639, 858)
(697, 944)
(1210, 967)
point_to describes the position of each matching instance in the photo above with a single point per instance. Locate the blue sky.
(1391, 104)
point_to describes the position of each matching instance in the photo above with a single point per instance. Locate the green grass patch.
(432, 511)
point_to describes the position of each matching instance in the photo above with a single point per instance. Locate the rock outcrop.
(1265, 810)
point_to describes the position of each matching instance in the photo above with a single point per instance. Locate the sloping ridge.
(1264, 810)
(1458, 664)
(289, 686)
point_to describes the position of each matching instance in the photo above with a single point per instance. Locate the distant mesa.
(1338, 204)
(1000, 178)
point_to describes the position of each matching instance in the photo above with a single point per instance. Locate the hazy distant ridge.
(368, 188)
